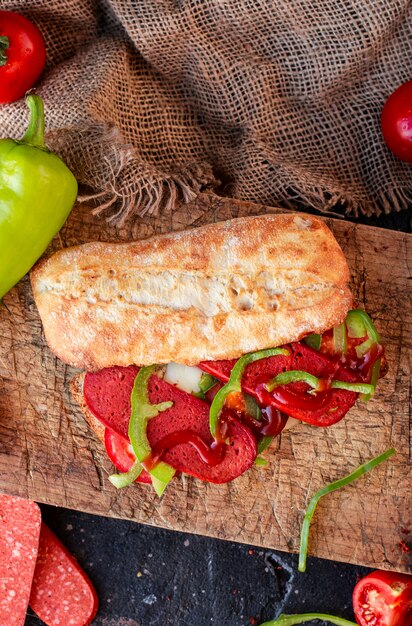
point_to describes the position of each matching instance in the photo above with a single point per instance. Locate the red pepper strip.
(123, 458)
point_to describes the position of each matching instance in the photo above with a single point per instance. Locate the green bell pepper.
(37, 193)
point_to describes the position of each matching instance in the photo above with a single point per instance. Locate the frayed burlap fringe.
(278, 103)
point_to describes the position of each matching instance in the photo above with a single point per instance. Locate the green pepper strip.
(142, 412)
(340, 343)
(206, 382)
(337, 484)
(294, 376)
(357, 322)
(261, 462)
(291, 620)
(354, 321)
(127, 478)
(264, 443)
(234, 383)
(313, 341)
(364, 347)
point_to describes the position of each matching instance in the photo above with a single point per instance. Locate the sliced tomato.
(383, 599)
(121, 454)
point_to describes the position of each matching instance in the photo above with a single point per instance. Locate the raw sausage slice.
(61, 594)
(19, 540)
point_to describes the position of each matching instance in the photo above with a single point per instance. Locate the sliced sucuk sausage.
(19, 540)
(301, 357)
(191, 413)
(61, 594)
(107, 394)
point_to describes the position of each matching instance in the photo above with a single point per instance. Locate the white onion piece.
(185, 377)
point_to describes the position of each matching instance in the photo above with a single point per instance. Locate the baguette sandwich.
(257, 313)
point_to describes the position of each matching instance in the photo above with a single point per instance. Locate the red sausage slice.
(190, 413)
(61, 593)
(19, 540)
(301, 357)
(107, 394)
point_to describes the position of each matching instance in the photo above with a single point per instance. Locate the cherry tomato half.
(22, 55)
(396, 122)
(121, 454)
(383, 599)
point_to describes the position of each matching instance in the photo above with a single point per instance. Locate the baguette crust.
(76, 388)
(214, 292)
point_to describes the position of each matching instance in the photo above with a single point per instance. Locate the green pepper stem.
(4, 44)
(337, 484)
(291, 620)
(34, 135)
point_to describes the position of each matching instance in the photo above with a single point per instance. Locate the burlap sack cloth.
(149, 101)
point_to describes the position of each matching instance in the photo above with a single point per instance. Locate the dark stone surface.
(146, 576)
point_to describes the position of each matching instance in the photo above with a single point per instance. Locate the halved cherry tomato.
(121, 454)
(396, 122)
(22, 55)
(383, 599)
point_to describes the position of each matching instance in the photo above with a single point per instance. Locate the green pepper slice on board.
(294, 620)
(37, 193)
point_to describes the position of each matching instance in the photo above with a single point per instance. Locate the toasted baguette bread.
(214, 292)
(76, 388)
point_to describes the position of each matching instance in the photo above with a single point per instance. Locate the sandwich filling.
(217, 427)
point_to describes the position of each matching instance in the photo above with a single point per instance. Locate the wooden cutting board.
(48, 453)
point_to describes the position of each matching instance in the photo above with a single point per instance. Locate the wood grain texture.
(48, 454)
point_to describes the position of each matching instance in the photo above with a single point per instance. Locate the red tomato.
(121, 454)
(383, 599)
(22, 55)
(396, 122)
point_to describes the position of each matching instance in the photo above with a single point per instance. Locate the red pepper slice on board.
(322, 410)
(107, 394)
